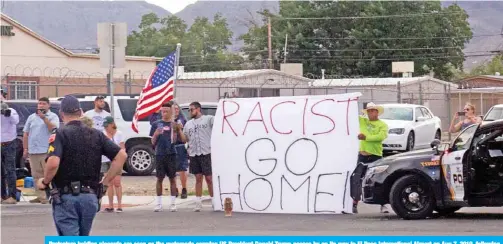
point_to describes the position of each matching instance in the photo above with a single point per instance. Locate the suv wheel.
(412, 198)
(140, 160)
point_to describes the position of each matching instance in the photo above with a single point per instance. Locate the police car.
(468, 172)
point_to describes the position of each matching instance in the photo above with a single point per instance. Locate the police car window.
(128, 109)
(464, 138)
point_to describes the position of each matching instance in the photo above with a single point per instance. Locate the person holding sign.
(372, 134)
(198, 133)
(164, 141)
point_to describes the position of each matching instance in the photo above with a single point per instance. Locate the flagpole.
(177, 63)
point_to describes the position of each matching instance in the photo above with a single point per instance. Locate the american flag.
(158, 90)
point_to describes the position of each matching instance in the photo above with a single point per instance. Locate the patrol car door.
(452, 163)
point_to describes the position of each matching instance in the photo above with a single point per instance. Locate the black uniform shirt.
(80, 149)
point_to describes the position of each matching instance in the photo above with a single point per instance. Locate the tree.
(322, 35)
(204, 44)
(495, 65)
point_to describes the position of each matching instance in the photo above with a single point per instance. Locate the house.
(33, 66)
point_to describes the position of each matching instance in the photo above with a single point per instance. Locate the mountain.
(73, 24)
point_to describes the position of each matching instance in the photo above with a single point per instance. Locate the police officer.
(73, 169)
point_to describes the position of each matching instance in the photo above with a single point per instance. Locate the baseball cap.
(70, 104)
(108, 120)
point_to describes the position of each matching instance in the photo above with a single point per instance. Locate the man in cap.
(73, 168)
(372, 134)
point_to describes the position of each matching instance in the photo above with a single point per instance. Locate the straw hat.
(371, 105)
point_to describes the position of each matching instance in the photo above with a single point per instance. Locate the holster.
(102, 189)
(52, 193)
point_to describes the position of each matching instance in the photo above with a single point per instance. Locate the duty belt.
(83, 189)
(7, 143)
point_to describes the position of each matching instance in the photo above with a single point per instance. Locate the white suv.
(141, 159)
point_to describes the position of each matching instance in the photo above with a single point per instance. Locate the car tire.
(406, 192)
(447, 211)
(411, 141)
(438, 135)
(141, 160)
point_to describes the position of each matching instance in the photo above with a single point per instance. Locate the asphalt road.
(30, 223)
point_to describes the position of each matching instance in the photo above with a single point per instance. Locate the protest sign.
(285, 154)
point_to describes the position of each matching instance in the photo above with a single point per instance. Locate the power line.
(395, 38)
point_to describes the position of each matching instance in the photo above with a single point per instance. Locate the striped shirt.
(198, 133)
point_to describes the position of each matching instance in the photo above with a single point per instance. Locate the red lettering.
(304, 118)
(270, 117)
(322, 115)
(347, 111)
(228, 115)
(256, 120)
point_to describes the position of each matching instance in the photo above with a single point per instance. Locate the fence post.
(447, 92)
(125, 83)
(398, 92)
(420, 94)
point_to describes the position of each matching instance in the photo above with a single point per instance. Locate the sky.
(173, 6)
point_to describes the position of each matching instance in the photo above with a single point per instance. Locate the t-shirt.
(375, 132)
(97, 118)
(163, 145)
(117, 139)
(198, 133)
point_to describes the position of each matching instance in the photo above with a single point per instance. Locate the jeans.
(359, 173)
(75, 215)
(9, 170)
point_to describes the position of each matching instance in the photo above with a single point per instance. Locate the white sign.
(285, 154)
(112, 34)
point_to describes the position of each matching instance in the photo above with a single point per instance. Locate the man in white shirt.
(9, 120)
(98, 114)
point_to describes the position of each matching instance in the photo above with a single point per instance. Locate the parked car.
(207, 108)
(494, 113)
(25, 108)
(468, 172)
(410, 127)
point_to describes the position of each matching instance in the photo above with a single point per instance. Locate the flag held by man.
(158, 89)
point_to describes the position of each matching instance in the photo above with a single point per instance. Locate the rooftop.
(391, 81)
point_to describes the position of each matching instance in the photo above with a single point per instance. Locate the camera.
(5, 112)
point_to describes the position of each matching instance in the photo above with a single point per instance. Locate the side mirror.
(420, 119)
(438, 146)
(435, 143)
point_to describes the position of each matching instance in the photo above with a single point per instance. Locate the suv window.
(204, 110)
(494, 114)
(128, 109)
(463, 140)
(89, 105)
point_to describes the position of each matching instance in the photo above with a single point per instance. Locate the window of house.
(23, 90)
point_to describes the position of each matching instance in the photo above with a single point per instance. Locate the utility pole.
(286, 43)
(269, 41)
(111, 72)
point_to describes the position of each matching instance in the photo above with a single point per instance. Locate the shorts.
(105, 166)
(201, 164)
(182, 159)
(165, 165)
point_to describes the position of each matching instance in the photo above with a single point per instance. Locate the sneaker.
(109, 210)
(36, 200)
(44, 201)
(355, 208)
(384, 209)
(158, 208)
(184, 193)
(9, 200)
(198, 207)
(172, 207)
(119, 210)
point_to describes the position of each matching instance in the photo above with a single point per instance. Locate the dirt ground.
(145, 185)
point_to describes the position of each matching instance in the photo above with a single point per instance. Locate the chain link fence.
(443, 98)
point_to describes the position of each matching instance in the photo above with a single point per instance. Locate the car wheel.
(438, 135)
(447, 211)
(140, 160)
(411, 198)
(410, 141)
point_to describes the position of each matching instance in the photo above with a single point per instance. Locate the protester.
(87, 121)
(198, 134)
(181, 154)
(469, 119)
(154, 118)
(116, 136)
(37, 130)
(372, 134)
(9, 120)
(99, 113)
(165, 153)
(73, 165)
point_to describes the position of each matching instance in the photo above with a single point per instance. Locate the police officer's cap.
(70, 104)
